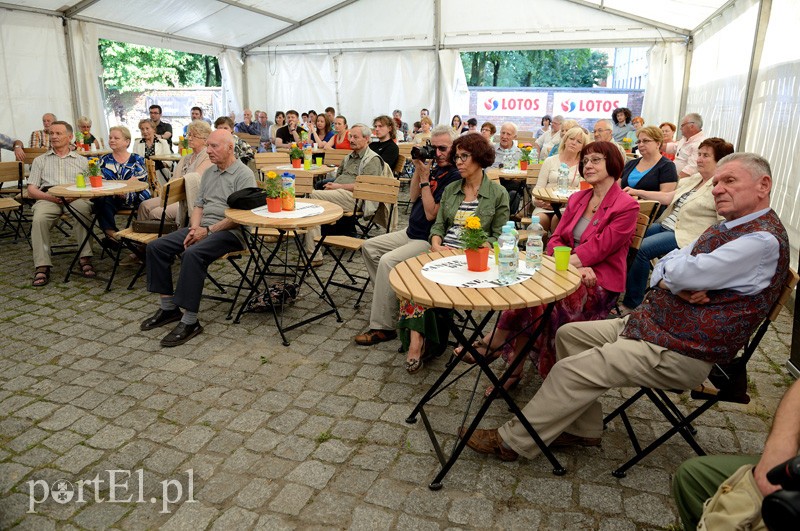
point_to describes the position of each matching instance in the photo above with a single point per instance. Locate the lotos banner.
(587, 104)
(511, 103)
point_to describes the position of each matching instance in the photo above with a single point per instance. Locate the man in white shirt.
(685, 149)
(603, 132)
(550, 138)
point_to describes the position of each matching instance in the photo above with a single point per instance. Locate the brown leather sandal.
(87, 269)
(41, 277)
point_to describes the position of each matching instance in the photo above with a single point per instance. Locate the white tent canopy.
(723, 59)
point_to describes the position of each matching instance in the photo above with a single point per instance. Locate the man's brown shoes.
(373, 337)
(489, 442)
(567, 439)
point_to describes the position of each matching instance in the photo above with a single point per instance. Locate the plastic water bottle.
(513, 230)
(535, 246)
(563, 179)
(509, 256)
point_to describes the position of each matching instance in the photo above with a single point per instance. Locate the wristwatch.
(209, 229)
(423, 185)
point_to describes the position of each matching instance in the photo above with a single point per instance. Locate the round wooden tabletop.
(93, 152)
(499, 173)
(546, 286)
(89, 192)
(550, 195)
(331, 213)
(172, 157)
(314, 170)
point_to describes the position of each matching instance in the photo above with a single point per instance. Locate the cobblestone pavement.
(259, 435)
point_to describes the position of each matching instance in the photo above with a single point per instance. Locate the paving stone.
(192, 438)
(77, 458)
(472, 512)
(100, 516)
(189, 517)
(333, 451)
(11, 474)
(312, 473)
(291, 499)
(256, 493)
(599, 498)
(648, 509)
(111, 437)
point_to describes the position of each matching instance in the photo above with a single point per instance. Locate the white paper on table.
(289, 167)
(106, 186)
(452, 271)
(301, 210)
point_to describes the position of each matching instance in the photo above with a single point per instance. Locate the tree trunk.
(208, 70)
(495, 73)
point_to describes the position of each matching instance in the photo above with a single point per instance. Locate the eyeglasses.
(601, 130)
(463, 157)
(646, 141)
(684, 124)
(593, 160)
(441, 149)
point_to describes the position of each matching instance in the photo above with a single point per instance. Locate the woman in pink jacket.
(598, 224)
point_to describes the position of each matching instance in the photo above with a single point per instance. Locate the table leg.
(556, 209)
(89, 234)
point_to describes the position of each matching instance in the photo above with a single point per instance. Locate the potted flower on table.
(525, 156)
(296, 155)
(95, 178)
(474, 240)
(272, 187)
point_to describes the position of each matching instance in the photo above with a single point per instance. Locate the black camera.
(781, 509)
(426, 152)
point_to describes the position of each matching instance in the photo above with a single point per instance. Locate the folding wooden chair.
(336, 156)
(271, 159)
(252, 140)
(11, 172)
(32, 153)
(649, 208)
(725, 384)
(368, 188)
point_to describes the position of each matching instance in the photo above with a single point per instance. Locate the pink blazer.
(604, 244)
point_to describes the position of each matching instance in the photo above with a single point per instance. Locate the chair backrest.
(398, 167)
(642, 222)
(405, 149)
(303, 184)
(376, 188)
(32, 153)
(336, 156)
(11, 172)
(173, 192)
(152, 178)
(533, 173)
(252, 140)
(649, 208)
(524, 136)
(267, 159)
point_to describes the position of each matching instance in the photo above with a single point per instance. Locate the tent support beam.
(27, 9)
(437, 32)
(687, 70)
(644, 20)
(73, 82)
(713, 15)
(764, 11)
(245, 89)
(80, 6)
(240, 5)
(296, 25)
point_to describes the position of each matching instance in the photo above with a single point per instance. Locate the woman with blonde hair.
(569, 151)
(425, 126)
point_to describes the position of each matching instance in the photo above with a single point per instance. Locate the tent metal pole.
(764, 10)
(73, 82)
(245, 89)
(437, 31)
(687, 69)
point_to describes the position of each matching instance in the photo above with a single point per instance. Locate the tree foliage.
(131, 67)
(535, 68)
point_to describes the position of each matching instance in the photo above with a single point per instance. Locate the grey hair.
(366, 132)
(696, 118)
(199, 128)
(558, 118)
(607, 123)
(756, 164)
(512, 125)
(444, 130)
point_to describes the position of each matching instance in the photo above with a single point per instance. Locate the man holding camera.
(699, 478)
(432, 173)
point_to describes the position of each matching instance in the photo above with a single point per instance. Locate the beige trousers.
(151, 209)
(45, 215)
(593, 358)
(381, 254)
(343, 198)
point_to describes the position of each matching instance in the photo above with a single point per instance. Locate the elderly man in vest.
(362, 161)
(707, 299)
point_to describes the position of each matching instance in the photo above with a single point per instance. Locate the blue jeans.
(657, 241)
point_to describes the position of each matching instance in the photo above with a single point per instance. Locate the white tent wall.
(88, 78)
(35, 78)
(452, 87)
(662, 97)
(230, 66)
(774, 127)
(720, 63)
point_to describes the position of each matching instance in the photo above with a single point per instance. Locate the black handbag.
(151, 226)
(247, 198)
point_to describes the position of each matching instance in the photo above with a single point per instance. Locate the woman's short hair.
(720, 147)
(490, 126)
(624, 110)
(548, 118)
(566, 125)
(388, 122)
(473, 122)
(670, 125)
(425, 120)
(84, 120)
(147, 121)
(343, 119)
(224, 120)
(124, 131)
(638, 120)
(476, 145)
(280, 113)
(575, 132)
(614, 161)
(199, 129)
(653, 132)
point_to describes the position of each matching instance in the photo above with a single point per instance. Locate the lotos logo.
(491, 104)
(567, 106)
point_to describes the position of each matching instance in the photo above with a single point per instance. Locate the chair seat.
(350, 243)
(139, 237)
(8, 204)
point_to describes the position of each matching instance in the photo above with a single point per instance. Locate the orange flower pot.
(96, 181)
(523, 165)
(477, 259)
(296, 163)
(274, 204)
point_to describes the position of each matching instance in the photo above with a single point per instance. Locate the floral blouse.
(134, 167)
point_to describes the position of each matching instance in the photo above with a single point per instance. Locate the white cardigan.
(162, 147)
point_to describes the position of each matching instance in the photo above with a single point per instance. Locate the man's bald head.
(219, 147)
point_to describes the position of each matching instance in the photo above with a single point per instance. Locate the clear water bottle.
(514, 232)
(563, 179)
(509, 256)
(534, 246)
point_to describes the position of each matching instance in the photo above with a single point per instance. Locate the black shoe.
(181, 334)
(160, 318)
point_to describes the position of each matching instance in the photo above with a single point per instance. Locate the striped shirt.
(40, 139)
(51, 170)
(453, 236)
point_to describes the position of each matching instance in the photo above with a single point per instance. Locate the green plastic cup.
(319, 161)
(561, 256)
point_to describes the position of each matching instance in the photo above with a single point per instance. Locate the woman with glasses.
(598, 224)
(473, 195)
(569, 152)
(652, 172)
(689, 213)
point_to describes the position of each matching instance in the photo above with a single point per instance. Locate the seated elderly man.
(550, 138)
(382, 253)
(604, 132)
(708, 298)
(59, 165)
(507, 155)
(41, 138)
(362, 161)
(209, 236)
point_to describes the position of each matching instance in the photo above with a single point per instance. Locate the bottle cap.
(534, 219)
(506, 229)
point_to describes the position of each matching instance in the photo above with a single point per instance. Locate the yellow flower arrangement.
(525, 149)
(272, 185)
(295, 152)
(94, 166)
(473, 236)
